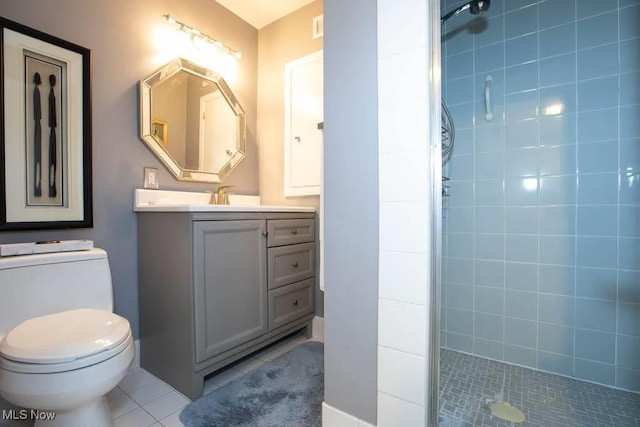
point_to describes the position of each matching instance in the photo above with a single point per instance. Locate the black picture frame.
(45, 137)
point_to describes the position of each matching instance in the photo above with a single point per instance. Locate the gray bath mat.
(286, 392)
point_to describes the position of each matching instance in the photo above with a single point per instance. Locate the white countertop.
(184, 201)
(221, 208)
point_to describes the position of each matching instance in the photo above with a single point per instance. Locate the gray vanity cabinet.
(215, 287)
(230, 295)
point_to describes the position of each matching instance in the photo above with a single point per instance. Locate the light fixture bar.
(195, 33)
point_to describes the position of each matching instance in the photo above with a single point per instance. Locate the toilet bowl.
(69, 372)
(68, 349)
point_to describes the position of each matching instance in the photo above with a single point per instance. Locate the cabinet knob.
(295, 264)
(294, 302)
(294, 231)
(265, 233)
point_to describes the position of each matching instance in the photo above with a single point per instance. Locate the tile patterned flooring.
(547, 400)
(466, 383)
(143, 400)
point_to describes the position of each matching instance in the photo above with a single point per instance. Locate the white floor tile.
(226, 376)
(290, 344)
(150, 391)
(165, 405)
(172, 420)
(269, 354)
(132, 368)
(142, 400)
(116, 392)
(248, 365)
(209, 386)
(136, 418)
(136, 379)
(121, 405)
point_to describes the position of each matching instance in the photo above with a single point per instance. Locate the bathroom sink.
(187, 201)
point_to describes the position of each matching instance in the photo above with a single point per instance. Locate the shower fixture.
(474, 6)
(448, 129)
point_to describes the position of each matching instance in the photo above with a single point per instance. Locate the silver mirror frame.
(180, 173)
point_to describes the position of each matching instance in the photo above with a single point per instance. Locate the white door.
(218, 140)
(303, 126)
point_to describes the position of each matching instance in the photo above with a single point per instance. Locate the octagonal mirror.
(191, 120)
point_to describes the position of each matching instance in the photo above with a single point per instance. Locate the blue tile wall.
(557, 70)
(541, 233)
(521, 305)
(520, 355)
(489, 273)
(489, 300)
(557, 279)
(553, 13)
(521, 332)
(487, 348)
(558, 40)
(597, 372)
(555, 338)
(594, 345)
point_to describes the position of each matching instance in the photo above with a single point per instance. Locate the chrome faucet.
(223, 194)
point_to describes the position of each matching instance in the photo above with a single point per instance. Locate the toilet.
(62, 349)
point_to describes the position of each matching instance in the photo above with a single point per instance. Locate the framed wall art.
(45, 144)
(160, 130)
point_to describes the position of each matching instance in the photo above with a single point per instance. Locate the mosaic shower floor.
(468, 384)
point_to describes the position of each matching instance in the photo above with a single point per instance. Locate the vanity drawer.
(292, 263)
(290, 302)
(290, 231)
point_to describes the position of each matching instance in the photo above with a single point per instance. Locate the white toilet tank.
(37, 285)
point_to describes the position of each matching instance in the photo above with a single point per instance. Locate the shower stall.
(541, 208)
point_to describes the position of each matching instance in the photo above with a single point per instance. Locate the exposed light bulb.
(199, 39)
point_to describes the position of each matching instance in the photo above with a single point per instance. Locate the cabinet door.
(303, 126)
(230, 289)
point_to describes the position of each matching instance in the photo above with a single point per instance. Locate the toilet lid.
(64, 336)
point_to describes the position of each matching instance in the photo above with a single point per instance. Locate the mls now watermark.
(28, 414)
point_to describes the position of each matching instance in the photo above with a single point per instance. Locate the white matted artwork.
(47, 131)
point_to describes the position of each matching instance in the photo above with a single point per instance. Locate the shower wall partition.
(541, 243)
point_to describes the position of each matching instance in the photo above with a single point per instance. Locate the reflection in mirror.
(191, 120)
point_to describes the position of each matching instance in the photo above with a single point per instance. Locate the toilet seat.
(64, 341)
(50, 368)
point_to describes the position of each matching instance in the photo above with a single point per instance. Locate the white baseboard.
(317, 328)
(332, 417)
(136, 358)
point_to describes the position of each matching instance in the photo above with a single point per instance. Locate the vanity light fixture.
(198, 35)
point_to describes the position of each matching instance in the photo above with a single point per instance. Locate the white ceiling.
(260, 13)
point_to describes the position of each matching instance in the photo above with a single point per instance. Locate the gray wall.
(351, 206)
(120, 36)
(282, 41)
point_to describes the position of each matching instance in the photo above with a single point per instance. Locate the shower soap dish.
(44, 246)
